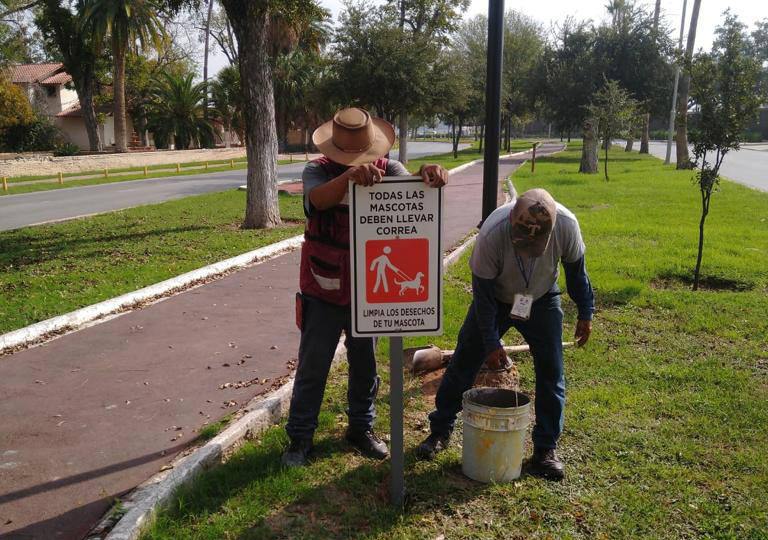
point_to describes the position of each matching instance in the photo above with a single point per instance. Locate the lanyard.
(526, 276)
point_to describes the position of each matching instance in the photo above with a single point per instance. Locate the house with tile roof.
(50, 91)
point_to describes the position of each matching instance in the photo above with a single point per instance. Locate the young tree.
(126, 22)
(567, 76)
(375, 68)
(419, 22)
(681, 120)
(614, 110)
(523, 46)
(635, 54)
(470, 45)
(452, 74)
(726, 91)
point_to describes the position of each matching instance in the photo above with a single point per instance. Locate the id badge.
(521, 309)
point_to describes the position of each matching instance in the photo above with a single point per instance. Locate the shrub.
(66, 149)
(38, 135)
(14, 106)
(660, 135)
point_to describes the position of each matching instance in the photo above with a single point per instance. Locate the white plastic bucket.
(495, 421)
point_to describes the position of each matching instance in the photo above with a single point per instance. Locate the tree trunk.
(482, 138)
(607, 145)
(656, 13)
(629, 145)
(681, 123)
(250, 22)
(403, 152)
(589, 149)
(704, 211)
(205, 57)
(85, 91)
(508, 145)
(454, 145)
(121, 139)
(645, 138)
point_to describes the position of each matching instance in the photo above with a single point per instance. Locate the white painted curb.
(75, 319)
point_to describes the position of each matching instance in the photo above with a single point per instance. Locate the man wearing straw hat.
(354, 145)
(514, 284)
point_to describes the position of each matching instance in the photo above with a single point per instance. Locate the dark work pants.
(322, 327)
(544, 333)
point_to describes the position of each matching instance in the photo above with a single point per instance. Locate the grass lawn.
(667, 405)
(123, 175)
(48, 270)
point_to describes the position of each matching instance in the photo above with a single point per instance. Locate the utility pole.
(493, 106)
(674, 93)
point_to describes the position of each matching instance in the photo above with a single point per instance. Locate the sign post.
(397, 281)
(396, 407)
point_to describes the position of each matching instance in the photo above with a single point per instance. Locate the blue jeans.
(544, 333)
(322, 325)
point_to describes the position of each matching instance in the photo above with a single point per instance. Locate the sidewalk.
(90, 415)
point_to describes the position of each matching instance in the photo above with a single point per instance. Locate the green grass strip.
(52, 269)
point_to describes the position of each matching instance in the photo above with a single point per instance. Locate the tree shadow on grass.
(681, 280)
(25, 250)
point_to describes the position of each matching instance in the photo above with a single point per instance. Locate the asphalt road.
(59, 204)
(748, 166)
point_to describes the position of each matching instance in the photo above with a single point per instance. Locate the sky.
(550, 12)
(554, 11)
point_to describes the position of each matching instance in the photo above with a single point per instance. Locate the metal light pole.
(493, 106)
(674, 93)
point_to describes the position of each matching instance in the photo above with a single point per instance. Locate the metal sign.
(396, 258)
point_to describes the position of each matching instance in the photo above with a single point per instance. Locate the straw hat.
(354, 137)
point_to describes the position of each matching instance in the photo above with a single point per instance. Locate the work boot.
(298, 452)
(546, 464)
(433, 444)
(367, 443)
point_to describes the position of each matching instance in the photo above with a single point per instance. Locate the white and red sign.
(396, 257)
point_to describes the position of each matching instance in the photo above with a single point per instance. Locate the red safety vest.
(325, 266)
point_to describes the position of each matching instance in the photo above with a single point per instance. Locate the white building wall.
(74, 131)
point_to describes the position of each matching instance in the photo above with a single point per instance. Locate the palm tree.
(227, 100)
(126, 22)
(178, 110)
(681, 124)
